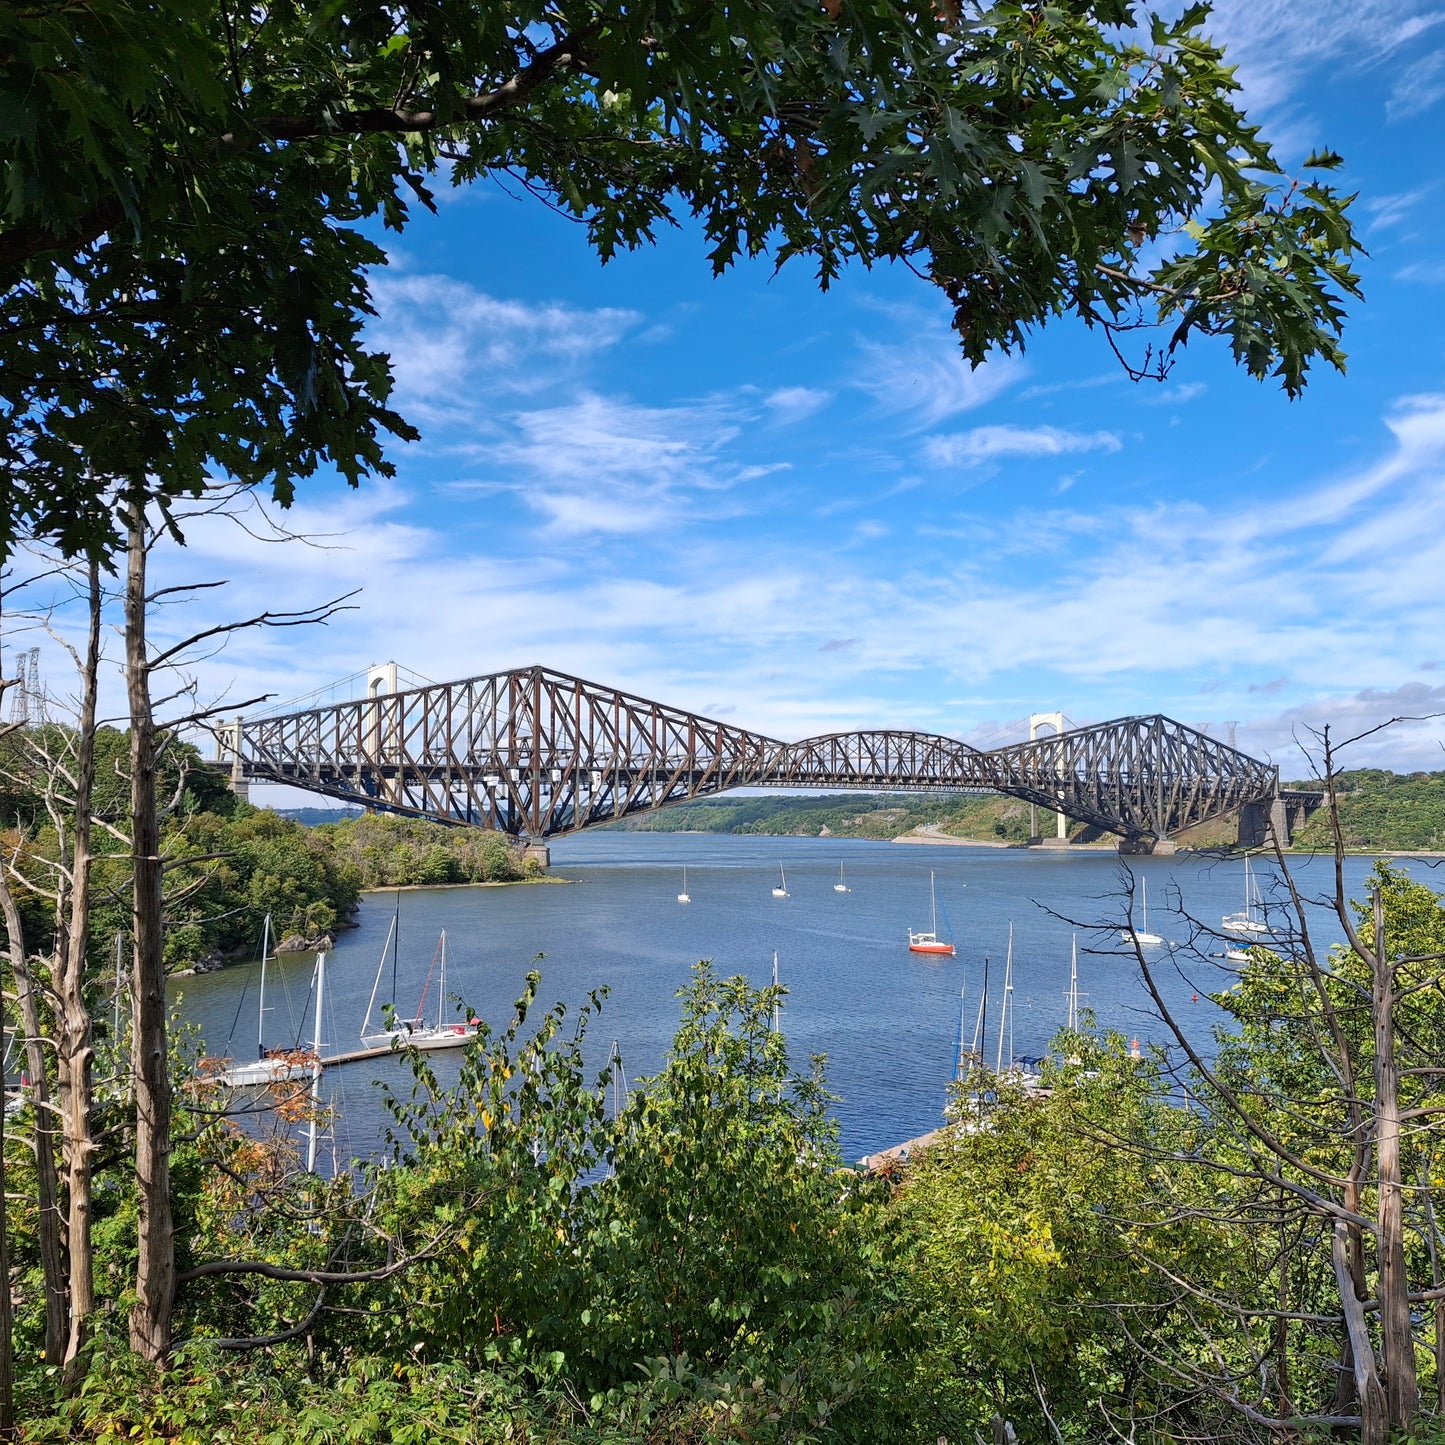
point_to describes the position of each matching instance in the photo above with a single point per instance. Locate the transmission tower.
(29, 703)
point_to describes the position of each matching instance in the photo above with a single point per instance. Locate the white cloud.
(1354, 720)
(1174, 395)
(455, 350)
(988, 443)
(603, 465)
(1276, 43)
(927, 378)
(1325, 590)
(1390, 211)
(1419, 86)
(796, 403)
(1429, 273)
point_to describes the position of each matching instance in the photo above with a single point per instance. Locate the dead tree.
(1323, 1170)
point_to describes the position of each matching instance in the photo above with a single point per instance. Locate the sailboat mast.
(932, 906)
(958, 1069)
(320, 992)
(396, 930)
(375, 987)
(1074, 989)
(261, 1003)
(1008, 986)
(980, 1029)
(775, 996)
(442, 985)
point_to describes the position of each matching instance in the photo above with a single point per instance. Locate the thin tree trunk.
(150, 1321)
(1397, 1347)
(1374, 1425)
(47, 1188)
(76, 1051)
(7, 1322)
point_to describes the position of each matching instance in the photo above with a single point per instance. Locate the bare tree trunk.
(1374, 1426)
(150, 1321)
(76, 1051)
(1397, 1348)
(7, 1322)
(52, 1246)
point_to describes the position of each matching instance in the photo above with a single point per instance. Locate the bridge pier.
(540, 851)
(1155, 847)
(1261, 823)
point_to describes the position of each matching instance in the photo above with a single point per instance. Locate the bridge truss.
(535, 753)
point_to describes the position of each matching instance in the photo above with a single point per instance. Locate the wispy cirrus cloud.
(598, 464)
(456, 350)
(926, 378)
(989, 443)
(1277, 44)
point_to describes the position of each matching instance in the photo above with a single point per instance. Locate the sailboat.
(415, 1032)
(1142, 936)
(841, 885)
(277, 1066)
(930, 942)
(1247, 921)
(684, 896)
(781, 891)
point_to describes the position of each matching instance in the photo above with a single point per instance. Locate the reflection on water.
(886, 1019)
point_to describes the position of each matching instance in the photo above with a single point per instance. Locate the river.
(886, 1019)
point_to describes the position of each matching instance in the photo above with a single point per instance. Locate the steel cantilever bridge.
(535, 753)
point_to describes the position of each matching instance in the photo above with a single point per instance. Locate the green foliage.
(850, 815)
(387, 850)
(184, 287)
(1027, 1223)
(1380, 809)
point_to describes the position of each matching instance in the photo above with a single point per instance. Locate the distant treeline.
(851, 815)
(1379, 810)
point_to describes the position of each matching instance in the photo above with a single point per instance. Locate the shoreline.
(433, 887)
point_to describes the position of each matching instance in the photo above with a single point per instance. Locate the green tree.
(184, 285)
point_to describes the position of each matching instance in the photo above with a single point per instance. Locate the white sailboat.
(841, 885)
(278, 1066)
(781, 891)
(415, 1032)
(684, 896)
(1248, 921)
(1142, 936)
(930, 942)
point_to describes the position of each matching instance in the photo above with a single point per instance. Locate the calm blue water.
(886, 1019)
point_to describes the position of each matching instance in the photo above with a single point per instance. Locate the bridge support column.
(1261, 823)
(540, 851)
(1158, 847)
(231, 741)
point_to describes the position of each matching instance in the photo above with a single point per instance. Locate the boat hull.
(932, 946)
(425, 1039)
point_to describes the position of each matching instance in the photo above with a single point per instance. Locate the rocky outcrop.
(300, 943)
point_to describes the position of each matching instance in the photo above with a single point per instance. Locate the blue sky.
(803, 513)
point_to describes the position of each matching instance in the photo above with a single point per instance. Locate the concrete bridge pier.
(1261, 823)
(1269, 820)
(1057, 722)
